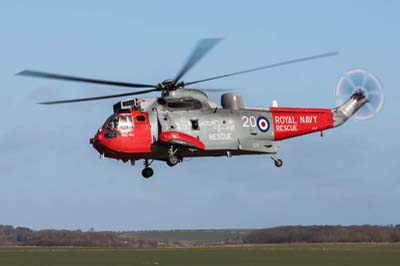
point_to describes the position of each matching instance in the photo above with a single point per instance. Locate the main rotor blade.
(265, 67)
(201, 49)
(39, 74)
(98, 98)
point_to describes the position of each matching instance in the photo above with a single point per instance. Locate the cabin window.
(195, 124)
(140, 118)
(185, 104)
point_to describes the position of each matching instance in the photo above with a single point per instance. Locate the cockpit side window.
(110, 127)
(125, 123)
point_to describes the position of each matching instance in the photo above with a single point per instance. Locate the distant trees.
(21, 236)
(315, 234)
(7, 235)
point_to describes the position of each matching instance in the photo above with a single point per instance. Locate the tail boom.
(293, 122)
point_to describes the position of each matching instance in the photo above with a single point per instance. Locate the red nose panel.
(124, 135)
(292, 122)
(178, 138)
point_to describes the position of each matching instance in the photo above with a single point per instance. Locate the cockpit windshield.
(113, 122)
(117, 124)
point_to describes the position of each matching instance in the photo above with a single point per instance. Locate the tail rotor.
(361, 81)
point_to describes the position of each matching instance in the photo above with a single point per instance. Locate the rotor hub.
(169, 85)
(359, 94)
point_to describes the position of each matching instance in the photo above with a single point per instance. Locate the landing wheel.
(278, 163)
(172, 160)
(147, 172)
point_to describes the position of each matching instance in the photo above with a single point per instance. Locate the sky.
(51, 177)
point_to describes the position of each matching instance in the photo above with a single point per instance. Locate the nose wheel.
(278, 162)
(147, 171)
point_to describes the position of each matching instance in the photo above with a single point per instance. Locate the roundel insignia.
(263, 124)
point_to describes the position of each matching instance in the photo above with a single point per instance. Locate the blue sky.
(52, 178)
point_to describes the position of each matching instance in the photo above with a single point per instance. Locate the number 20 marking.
(249, 121)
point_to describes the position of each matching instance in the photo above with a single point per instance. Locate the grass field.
(293, 254)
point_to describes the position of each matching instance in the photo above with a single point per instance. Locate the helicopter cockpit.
(117, 124)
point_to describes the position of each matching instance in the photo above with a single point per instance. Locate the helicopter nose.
(98, 143)
(97, 137)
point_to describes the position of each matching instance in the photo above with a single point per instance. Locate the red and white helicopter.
(184, 123)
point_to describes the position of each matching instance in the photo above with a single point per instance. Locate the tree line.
(21, 236)
(321, 234)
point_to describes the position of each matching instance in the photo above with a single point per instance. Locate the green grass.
(293, 254)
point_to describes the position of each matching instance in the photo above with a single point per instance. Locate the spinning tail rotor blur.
(362, 82)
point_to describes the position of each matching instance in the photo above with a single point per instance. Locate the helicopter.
(183, 122)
